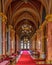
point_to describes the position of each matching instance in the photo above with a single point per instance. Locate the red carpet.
(25, 59)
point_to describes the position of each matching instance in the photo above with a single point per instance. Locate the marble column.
(49, 38)
(33, 40)
(12, 39)
(4, 20)
(42, 43)
(8, 40)
(0, 34)
(38, 44)
(17, 42)
(33, 44)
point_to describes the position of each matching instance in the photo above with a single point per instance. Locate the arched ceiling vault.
(22, 5)
(26, 15)
(33, 12)
(20, 11)
(45, 4)
(8, 2)
(31, 9)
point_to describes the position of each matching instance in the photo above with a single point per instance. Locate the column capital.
(49, 18)
(11, 27)
(4, 17)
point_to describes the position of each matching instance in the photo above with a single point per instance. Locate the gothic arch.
(28, 10)
(28, 17)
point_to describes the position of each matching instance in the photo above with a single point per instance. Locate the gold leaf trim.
(49, 18)
(4, 17)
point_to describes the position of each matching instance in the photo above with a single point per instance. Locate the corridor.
(25, 59)
(25, 32)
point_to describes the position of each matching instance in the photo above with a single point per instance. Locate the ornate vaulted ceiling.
(23, 14)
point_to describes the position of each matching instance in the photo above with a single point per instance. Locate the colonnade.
(8, 37)
(42, 39)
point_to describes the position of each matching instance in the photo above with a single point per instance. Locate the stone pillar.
(17, 43)
(8, 40)
(12, 39)
(38, 44)
(33, 42)
(4, 20)
(42, 43)
(0, 34)
(49, 38)
(4, 34)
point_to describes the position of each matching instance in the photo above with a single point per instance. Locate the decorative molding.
(4, 17)
(49, 18)
(11, 28)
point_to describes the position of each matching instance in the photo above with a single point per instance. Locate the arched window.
(21, 44)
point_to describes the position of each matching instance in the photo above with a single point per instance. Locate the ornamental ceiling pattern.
(20, 11)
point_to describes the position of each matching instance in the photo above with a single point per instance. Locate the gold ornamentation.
(44, 23)
(41, 27)
(11, 28)
(49, 18)
(4, 18)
